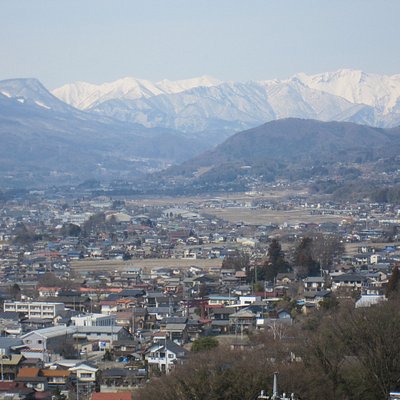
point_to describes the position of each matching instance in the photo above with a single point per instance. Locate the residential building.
(35, 309)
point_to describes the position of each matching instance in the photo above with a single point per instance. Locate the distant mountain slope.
(302, 140)
(287, 148)
(205, 104)
(44, 139)
(230, 106)
(31, 91)
(85, 95)
(378, 91)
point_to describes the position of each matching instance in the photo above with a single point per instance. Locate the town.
(104, 295)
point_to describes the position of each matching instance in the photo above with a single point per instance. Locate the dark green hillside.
(293, 148)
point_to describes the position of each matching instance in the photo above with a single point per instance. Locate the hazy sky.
(60, 41)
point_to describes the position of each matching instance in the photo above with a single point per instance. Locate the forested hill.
(294, 140)
(292, 148)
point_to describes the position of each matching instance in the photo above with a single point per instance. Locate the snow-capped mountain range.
(85, 95)
(208, 104)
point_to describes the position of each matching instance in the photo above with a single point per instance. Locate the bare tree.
(326, 248)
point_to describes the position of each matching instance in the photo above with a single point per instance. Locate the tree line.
(310, 255)
(336, 354)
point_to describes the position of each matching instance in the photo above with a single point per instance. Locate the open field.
(146, 264)
(264, 216)
(273, 194)
(351, 248)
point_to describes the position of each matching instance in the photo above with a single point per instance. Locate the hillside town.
(101, 296)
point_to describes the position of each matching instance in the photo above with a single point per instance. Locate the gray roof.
(156, 310)
(99, 329)
(53, 331)
(349, 277)
(11, 315)
(175, 320)
(171, 346)
(7, 342)
(175, 327)
(318, 279)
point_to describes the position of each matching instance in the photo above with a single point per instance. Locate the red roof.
(112, 396)
(56, 373)
(28, 372)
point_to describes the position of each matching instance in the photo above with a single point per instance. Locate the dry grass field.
(273, 194)
(146, 264)
(263, 216)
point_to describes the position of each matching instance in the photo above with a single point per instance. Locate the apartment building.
(35, 309)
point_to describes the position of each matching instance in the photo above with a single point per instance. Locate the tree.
(70, 230)
(239, 261)
(303, 258)
(95, 223)
(276, 263)
(356, 353)
(222, 374)
(204, 344)
(326, 248)
(49, 279)
(24, 235)
(275, 253)
(15, 292)
(393, 284)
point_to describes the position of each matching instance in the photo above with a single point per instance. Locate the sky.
(62, 41)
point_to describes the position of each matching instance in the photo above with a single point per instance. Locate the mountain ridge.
(46, 140)
(208, 104)
(291, 149)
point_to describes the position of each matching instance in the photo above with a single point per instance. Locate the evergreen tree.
(303, 258)
(276, 263)
(393, 284)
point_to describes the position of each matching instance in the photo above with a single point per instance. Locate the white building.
(164, 356)
(93, 320)
(368, 300)
(35, 309)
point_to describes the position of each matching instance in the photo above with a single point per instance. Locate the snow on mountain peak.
(85, 95)
(356, 86)
(345, 94)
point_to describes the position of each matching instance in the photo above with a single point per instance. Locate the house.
(57, 378)
(41, 341)
(314, 283)
(220, 300)
(132, 319)
(349, 281)
(15, 391)
(315, 297)
(176, 329)
(10, 324)
(284, 278)
(85, 373)
(111, 396)
(10, 365)
(32, 379)
(125, 347)
(220, 319)
(121, 378)
(367, 300)
(9, 345)
(102, 337)
(247, 300)
(164, 355)
(243, 320)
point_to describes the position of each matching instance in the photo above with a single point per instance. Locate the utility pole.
(166, 355)
(275, 387)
